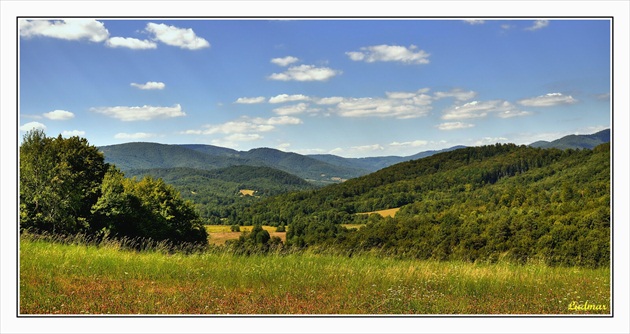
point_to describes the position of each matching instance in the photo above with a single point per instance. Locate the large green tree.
(60, 180)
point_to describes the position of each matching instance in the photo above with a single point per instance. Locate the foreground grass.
(77, 279)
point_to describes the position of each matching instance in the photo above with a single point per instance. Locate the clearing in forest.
(383, 213)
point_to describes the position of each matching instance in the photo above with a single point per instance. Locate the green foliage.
(67, 188)
(257, 241)
(475, 204)
(59, 182)
(215, 193)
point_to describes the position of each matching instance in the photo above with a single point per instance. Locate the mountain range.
(319, 169)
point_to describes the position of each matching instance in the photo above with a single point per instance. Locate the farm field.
(383, 213)
(68, 278)
(219, 234)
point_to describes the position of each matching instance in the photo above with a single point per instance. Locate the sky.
(350, 87)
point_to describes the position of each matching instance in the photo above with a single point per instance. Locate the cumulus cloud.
(291, 110)
(32, 126)
(538, 24)
(387, 53)
(415, 143)
(143, 113)
(245, 125)
(401, 105)
(250, 100)
(357, 151)
(174, 36)
(130, 43)
(59, 115)
(479, 109)
(329, 100)
(73, 133)
(288, 98)
(149, 85)
(456, 93)
(454, 126)
(305, 73)
(286, 61)
(137, 135)
(475, 22)
(71, 29)
(513, 113)
(547, 100)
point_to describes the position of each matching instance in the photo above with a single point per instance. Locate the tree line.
(67, 188)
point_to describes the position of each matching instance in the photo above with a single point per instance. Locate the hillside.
(477, 203)
(152, 155)
(576, 141)
(216, 193)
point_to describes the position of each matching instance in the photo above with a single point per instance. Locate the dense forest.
(216, 193)
(475, 204)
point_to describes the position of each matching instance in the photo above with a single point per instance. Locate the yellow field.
(383, 213)
(247, 192)
(219, 234)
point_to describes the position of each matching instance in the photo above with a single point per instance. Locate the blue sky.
(350, 87)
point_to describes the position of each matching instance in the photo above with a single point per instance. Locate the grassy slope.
(72, 279)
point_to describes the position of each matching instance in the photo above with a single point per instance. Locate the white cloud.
(284, 120)
(387, 53)
(32, 126)
(476, 109)
(490, 141)
(243, 137)
(283, 146)
(457, 93)
(475, 22)
(59, 115)
(250, 100)
(291, 110)
(149, 85)
(286, 61)
(513, 113)
(130, 43)
(358, 151)
(415, 143)
(174, 36)
(72, 29)
(454, 126)
(137, 135)
(305, 73)
(288, 98)
(548, 100)
(143, 113)
(73, 133)
(538, 24)
(329, 100)
(401, 105)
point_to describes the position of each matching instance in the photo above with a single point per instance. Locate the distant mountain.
(373, 164)
(132, 156)
(576, 141)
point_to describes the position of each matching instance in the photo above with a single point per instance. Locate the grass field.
(219, 234)
(383, 213)
(60, 278)
(247, 192)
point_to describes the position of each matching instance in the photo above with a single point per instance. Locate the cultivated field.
(60, 278)
(219, 234)
(383, 213)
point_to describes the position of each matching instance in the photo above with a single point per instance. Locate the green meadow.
(78, 278)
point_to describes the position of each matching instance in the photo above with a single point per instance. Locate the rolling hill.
(576, 141)
(132, 156)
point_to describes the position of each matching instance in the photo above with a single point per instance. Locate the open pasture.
(78, 279)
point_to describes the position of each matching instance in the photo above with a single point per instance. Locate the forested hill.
(476, 203)
(219, 192)
(576, 141)
(131, 156)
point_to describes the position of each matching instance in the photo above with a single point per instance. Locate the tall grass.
(75, 278)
